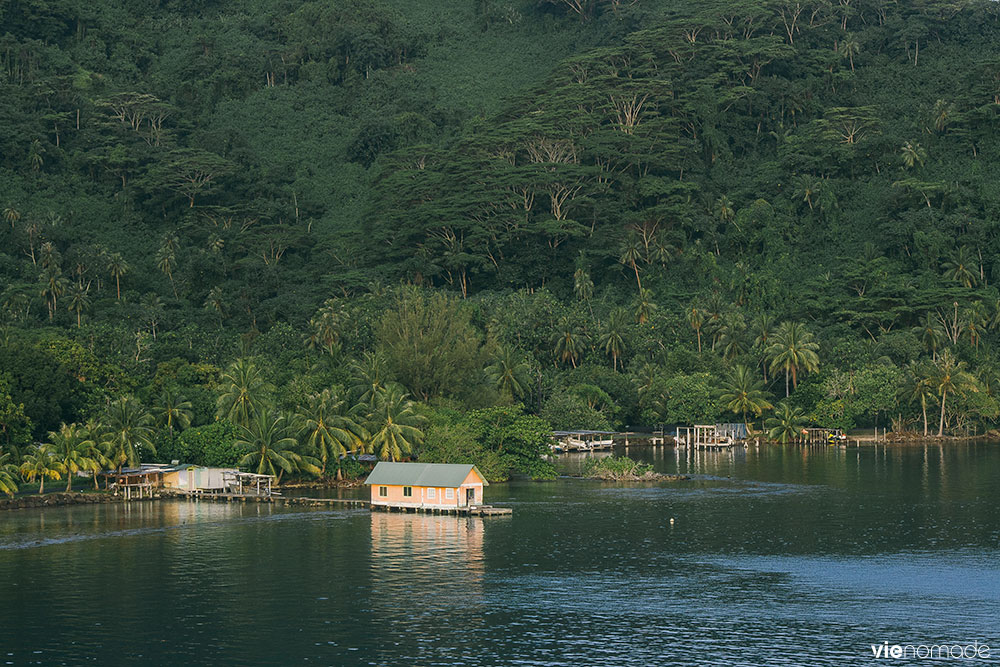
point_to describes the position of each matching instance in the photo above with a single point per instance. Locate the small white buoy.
(671, 521)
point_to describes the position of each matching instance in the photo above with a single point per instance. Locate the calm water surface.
(776, 557)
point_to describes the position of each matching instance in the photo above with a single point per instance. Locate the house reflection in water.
(423, 552)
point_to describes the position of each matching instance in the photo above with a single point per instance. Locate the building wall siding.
(395, 497)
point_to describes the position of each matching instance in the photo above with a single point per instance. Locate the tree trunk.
(69, 481)
(944, 397)
(923, 406)
(787, 393)
(698, 331)
(118, 288)
(96, 486)
(41, 485)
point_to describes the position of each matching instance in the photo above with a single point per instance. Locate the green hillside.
(612, 212)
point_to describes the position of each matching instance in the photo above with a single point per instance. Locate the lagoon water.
(779, 556)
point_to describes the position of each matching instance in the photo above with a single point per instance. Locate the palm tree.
(11, 215)
(172, 409)
(165, 261)
(919, 386)
(8, 484)
(932, 335)
(394, 425)
(324, 328)
(724, 209)
(786, 424)
(645, 380)
(743, 393)
(271, 446)
(40, 462)
(731, 336)
(644, 305)
(961, 267)
(943, 113)
(913, 154)
(370, 375)
(850, 47)
(612, 337)
(79, 301)
(763, 327)
(53, 287)
(328, 427)
(49, 256)
(809, 186)
(696, 318)
(71, 448)
(583, 286)
(569, 342)
(128, 430)
(243, 389)
(661, 249)
(794, 350)
(631, 253)
(951, 377)
(117, 267)
(152, 306)
(33, 229)
(214, 301)
(975, 318)
(97, 446)
(509, 373)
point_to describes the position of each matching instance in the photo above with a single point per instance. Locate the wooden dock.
(274, 499)
(475, 510)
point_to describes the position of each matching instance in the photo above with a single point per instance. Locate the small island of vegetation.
(624, 469)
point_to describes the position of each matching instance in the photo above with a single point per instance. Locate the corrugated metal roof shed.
(446, 475)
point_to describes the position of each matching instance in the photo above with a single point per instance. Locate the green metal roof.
(422, 474)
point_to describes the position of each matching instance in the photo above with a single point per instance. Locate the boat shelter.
(426, 485)
(581, 441)
(710, 436)
(202, 479)
(140, 482)
(248, 483)
(135, 482)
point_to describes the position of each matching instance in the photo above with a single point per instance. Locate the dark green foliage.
(567, 410)
(209, 445)
(15, 427)
(519, 439)
(46, 388)
(456, 443)
(431, 346)
(682, 399)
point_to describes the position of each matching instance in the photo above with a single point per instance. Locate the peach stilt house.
(426, 485)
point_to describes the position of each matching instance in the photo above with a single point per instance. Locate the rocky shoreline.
(56, 499)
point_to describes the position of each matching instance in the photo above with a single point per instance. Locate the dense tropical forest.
(277, 232)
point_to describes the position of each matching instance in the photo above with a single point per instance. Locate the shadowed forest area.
(277, 232)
